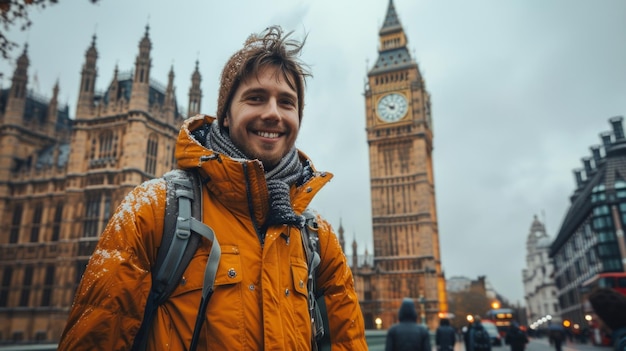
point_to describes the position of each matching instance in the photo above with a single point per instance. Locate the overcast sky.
(520, 90)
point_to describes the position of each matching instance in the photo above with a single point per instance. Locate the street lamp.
(422, 301)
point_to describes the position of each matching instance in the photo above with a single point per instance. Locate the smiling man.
(255, 187)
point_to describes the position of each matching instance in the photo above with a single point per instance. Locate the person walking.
(445, 336)
(610, 306)
(255, 186)
(516, 338)
(479, 339)
(407, 335)
(556, 335)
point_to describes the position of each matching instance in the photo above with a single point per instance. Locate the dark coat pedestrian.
(479, 339)
(516, 338)
(556, 335)
(610, 306)
(407, 335)
(445, 337)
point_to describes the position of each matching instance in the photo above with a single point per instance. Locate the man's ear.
(226, 119)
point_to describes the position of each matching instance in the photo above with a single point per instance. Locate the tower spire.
(141, 81)
(89, 73)
(195, 93)
(17, 97)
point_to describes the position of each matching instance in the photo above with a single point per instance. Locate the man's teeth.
(268, 134)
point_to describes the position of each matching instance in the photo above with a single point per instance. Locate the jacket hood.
(407, 312)
(239, 183)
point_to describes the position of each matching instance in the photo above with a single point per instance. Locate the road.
(543, 345)
(533, 345)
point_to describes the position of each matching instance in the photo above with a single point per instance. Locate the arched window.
(151, 154)
(36, 223)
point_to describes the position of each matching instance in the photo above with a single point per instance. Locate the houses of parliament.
(62, 176)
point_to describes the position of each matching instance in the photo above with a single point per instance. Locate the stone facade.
(540, 291)
(61, 178)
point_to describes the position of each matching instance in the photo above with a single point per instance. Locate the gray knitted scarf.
(288, 171)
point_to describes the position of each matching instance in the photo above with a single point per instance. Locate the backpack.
(482, 340)
(182, 229)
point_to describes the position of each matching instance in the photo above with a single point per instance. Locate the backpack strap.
(182, 211)
(310, 241)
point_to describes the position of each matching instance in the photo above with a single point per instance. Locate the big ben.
(406, 262)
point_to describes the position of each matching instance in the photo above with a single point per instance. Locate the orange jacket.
(260, 298)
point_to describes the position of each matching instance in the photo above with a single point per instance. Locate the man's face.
(263, 119)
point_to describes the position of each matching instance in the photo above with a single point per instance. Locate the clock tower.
(406, 261)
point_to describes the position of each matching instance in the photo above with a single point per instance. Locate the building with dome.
(540, 291)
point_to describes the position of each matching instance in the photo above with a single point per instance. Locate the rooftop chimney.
(588, 169)
(595, 151)
(606, 139)
(578, 173)
(618, 130)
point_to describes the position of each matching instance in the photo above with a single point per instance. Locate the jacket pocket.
(299, 273)
(229, 270)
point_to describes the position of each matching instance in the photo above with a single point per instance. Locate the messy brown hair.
(270, 47)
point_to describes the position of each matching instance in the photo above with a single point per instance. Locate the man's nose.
(271, 110)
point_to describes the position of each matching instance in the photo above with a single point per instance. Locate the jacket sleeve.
(334, 278)
(111, 297)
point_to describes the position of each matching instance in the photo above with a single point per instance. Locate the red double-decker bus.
(613, 280)
(502, 318)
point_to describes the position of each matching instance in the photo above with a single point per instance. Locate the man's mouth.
(271, 135)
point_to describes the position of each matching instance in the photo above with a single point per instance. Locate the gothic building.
(590, 241)
(60, 179)
(406, 261)
(539, 289)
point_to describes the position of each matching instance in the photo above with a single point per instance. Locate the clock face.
(392, 107)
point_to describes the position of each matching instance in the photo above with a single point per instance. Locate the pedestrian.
(556, 334)
(407, 335)
(466, 334)
(516, 338)
(255, 186)
(610, 306)
(445, 336)
(479, 339)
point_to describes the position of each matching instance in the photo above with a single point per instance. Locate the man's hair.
(269, 48)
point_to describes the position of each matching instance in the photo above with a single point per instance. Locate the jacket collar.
(238, 184)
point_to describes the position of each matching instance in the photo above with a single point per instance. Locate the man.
(256, 185)
(556, 334)
(445, 336)
(407, 335)
(516, 338)
(610, 306)
(479, 339)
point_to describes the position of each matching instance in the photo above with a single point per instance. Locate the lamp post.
(422, 301)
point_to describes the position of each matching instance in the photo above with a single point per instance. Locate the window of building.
(16, 222)
(612, 264)
(7, 274)
(26, 286)
(620, 189)
(606, 236)
(103, 150)
(92, 216)
(598, 193)
(46, 297)
(151, 154)
(607, 251)
(56, 225)
(36, 223)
